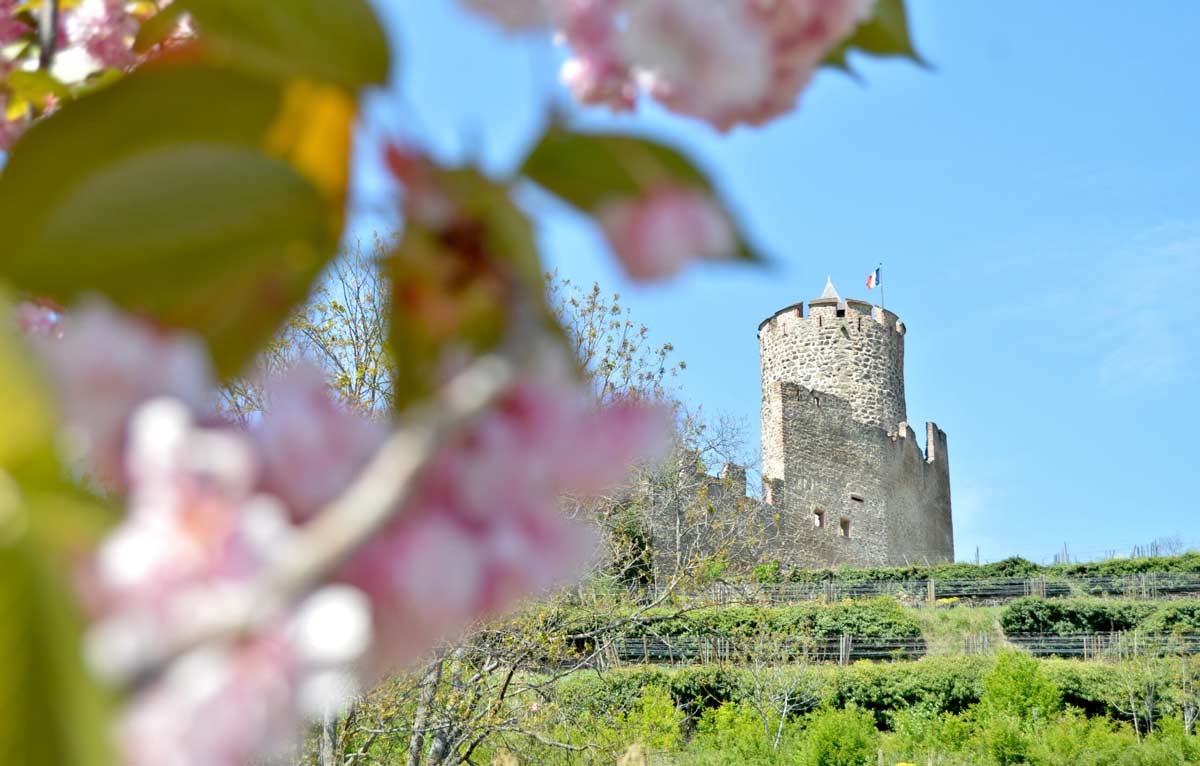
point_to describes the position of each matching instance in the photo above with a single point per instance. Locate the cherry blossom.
(228, 705)
(709, 60)
(105, 30)
(655, 235)
(211, 506)
(311, 445)
(802, 33)
(726, 62)
(11, 28)
(196, 532)
(596, 74)
(483, 527)
(105, 365)
(38, 320)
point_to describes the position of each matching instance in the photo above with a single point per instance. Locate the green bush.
(1077, 616)
(1187, 563)
(1019, 688)
(734, 735)
(940, 684)
(839, 737)
(1174, 617)
(654, 721)
(1073, 616)
(882, 616)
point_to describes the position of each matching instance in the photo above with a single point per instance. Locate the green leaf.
(28, 423)
(160, 193)
(460, 286)
(37, 85)
(886, 33)
(54, 714)
(338, 41)
(589, 170)
(158, 27)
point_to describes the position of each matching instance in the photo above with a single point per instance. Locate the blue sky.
(1034, 198)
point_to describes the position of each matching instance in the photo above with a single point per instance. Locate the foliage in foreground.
(998, 710)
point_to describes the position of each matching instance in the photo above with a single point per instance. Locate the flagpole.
(882, 295)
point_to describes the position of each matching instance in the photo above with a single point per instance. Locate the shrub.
(1017, 687)
(654, 721)
(1072, 616)
(1175, 617)
(1187, 563)
(845, 737)
(1092, 615)
(733, 735)
(939, 684)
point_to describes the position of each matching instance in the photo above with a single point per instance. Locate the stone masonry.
(844, 480)
(841, 466)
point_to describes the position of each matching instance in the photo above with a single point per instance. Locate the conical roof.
(830, 291)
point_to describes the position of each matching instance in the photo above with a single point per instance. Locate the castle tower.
(840, 463)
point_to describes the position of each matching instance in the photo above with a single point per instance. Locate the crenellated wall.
(840, 463)
(855, 494)
(845, 480)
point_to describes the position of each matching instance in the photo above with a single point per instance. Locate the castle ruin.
(840, 463)
(845, 482)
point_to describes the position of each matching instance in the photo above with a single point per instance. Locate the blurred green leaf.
(338, 42)
(27, 416)
(199, 195)
(884, 34)
(460, 286)
(589, 170)
(158, 27)
(54, 713)
(37, 85)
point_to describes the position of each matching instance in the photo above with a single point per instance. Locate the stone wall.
(845, 481)
(856, 495)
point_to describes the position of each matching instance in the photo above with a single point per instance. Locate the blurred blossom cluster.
(210, 507)
(727, 62)
(92, 36)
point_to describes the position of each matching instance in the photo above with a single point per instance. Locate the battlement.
(841, 465)
(828, 312)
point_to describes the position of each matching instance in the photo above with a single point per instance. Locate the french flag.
(876, 279)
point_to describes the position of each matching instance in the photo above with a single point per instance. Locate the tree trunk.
(328, 746)
(429, 686)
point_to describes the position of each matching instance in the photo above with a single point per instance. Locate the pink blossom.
(709, 60)
(105, 30)
(215, 707)
(195, 536)
(654, 236)
(230, 705)
(105, 365)
(11, 28)
(484, 528)
(596, 74)
(312, 446)
(39, 320)
(727, 62)
(194, 522)
(802, 34)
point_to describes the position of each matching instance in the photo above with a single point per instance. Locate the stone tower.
(841, 467)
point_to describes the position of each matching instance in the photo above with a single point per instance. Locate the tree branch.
(367, 505)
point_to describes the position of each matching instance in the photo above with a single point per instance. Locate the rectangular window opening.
(856, 497)
(841, 313)
(844, 528)
(819, 518)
